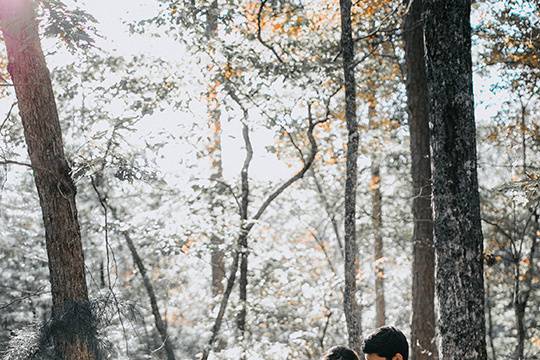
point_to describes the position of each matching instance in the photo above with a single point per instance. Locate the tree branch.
(259, 31)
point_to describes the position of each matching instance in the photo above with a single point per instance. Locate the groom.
(386, 343)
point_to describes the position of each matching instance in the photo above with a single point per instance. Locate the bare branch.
(259, 31)
(323, 248)
(295, 177)
(8, 115)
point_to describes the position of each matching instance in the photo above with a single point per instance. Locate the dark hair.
(340, 353)
(386, 342)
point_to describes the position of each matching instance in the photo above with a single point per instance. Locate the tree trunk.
(158, 320)
(214, 152)
(350, 305)
(73, 327)
(456, 204)
(522, 294)
(519, 311)
(376, 220)
(423, 343)
(161, 326)
(243, 240)
(490, 320)
(376, 223)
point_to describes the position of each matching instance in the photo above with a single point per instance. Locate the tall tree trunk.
(214, 152)
(350, 305)
(423, 343)
(456, 204)
(376, 222)
(74, 326)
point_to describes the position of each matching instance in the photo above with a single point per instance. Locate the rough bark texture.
(214, 152)
(423, 345)
(73, 330)
(350, 305)
(456, 206)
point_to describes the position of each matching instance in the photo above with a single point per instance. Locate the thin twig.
(259, 31)
(8, 115)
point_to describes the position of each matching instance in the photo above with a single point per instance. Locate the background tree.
(423, 343)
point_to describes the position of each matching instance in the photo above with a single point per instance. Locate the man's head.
(340, 353)
(386, 343)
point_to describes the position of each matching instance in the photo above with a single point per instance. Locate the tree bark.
(522, 291)
(376, 222)
(350, 305)
(243, 240)
(490, 320)
(214, 152)
(423, 343)
(73, 326)
(456, 204)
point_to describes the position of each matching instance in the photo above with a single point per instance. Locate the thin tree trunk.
(158, 320)
(214, 151)
(73, 323)
(161, 326)
(350, 304)
(456, 204)
(376, 222)
(519, 310)
(423, 343)
(521, 296)
(490, 320)
(376, 219)
(243, 240)
(247, 226)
